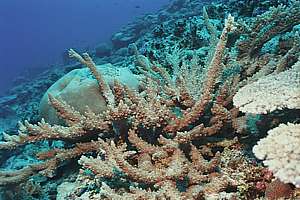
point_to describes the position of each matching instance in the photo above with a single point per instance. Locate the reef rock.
(79, 89)
(103, 50)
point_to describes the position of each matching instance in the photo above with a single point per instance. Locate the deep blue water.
(35, 33)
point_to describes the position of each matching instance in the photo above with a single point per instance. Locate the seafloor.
(198, 101)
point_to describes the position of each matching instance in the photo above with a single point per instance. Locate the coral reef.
(278, 190)
(180, 131)
(80, 90)
(272, 92)
(279, 149)
(281, 153)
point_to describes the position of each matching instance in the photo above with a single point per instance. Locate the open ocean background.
(36, 33)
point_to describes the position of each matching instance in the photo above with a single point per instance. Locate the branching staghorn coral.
(213, 73)
(271, 23)
(158, 166)
(103, 87)
(257, 33)
(132, 134)
(53, 159)
(266, 81)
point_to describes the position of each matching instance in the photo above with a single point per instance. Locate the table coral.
(273, 92)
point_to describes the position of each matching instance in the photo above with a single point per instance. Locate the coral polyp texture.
(273, 92)
(175, 116)
(280, 151)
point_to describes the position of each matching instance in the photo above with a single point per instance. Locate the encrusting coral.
(159, 142)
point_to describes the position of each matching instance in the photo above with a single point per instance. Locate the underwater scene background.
(196, 100)
(36, 34)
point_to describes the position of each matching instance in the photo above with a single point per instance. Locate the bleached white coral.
(281, 153)
(276, 91)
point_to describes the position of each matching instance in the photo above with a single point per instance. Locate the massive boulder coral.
(80, 90)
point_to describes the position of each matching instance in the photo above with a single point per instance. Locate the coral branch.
(103, 86)
(213, 73)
